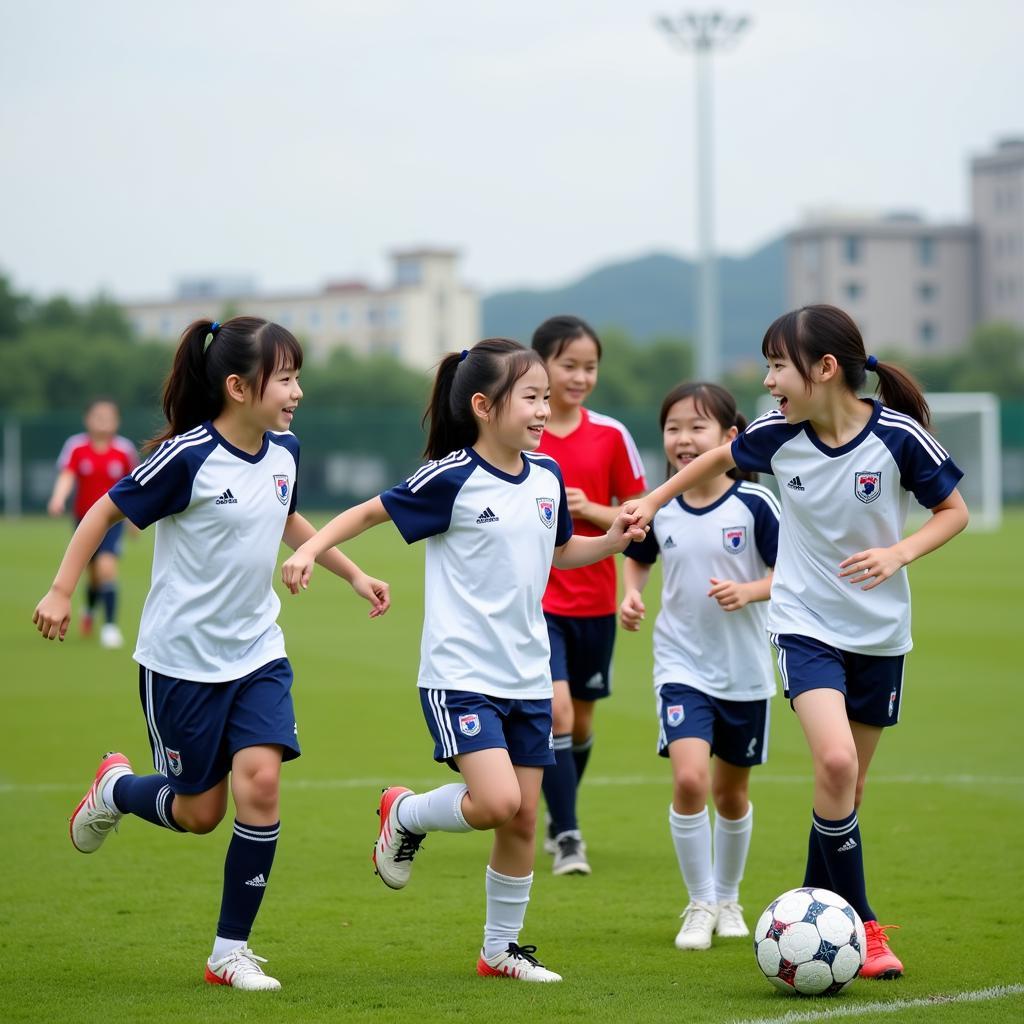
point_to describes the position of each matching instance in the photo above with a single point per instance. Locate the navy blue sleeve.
(162, 485)
(563, 531)
(764, 507)
(753, 449)
(291, 442)
(926, 470)
(645, 550)
(422, 506)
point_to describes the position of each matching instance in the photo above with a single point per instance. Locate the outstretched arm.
(579, 551)
(298, 530)
(53, 613)
(704, 467)
(296, 570)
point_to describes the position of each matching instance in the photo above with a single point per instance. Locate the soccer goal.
(967, 426)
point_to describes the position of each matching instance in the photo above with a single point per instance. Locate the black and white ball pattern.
(810, 941)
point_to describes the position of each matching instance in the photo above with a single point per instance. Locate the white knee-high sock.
(691, 836)
(732, 841)
(507, 899)
(439, 810)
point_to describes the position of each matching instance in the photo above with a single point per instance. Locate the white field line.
(871, 1009)
(606, 780)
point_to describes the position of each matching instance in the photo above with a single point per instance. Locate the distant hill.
(655, 295)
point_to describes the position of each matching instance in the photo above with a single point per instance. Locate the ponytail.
(898, 390)
(451, 427)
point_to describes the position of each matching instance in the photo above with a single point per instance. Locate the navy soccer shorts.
(736, 730)
(871, 684)
(581, 653)
(111, 543)
(462, 721)
(195, 729)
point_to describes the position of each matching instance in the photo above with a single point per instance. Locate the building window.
(394, 314)
(926, 291)
(342, 317)
(926, 251)
(810, 252)
(853, 290)
(408, 272)
(926, 332)
(373, 316)
(852, 249)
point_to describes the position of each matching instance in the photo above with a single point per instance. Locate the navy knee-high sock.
(107, 593)
(816, 873)
(559, 786)
(246, 873)
(91, 597)
(841, 848)
(581, 755)
(148, 797)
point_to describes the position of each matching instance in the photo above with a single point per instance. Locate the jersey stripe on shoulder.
(635, 462)
(762, 492)
(772, 418)
(420, 478)
(167, 451)
(69, 446)
(891, 418)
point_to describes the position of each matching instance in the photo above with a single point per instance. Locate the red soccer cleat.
(881, 961)
(92, 821)
(395, 848)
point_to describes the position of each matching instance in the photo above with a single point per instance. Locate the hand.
(55, 507)
(632, 611)
(624, 530)
(53, 615)
(377, 592)
(729, 594)
(875, 564)
(641, 508)
(296, 571)
(577, 502)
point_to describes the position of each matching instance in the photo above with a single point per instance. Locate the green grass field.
(123, 934)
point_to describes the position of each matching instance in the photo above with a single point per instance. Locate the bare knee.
(523, 825)
(562, 712)
(258, 788)
(691, 784)
(837, 768)
(730, 803)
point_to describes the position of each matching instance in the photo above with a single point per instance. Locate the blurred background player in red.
(601, 468)
(90, 464)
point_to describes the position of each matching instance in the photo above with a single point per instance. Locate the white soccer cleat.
(730, 924)
(516, 962)
(110, 636)
(395, 848)
(570, 855)
(92, 821)
(699, 920)
(241, 969)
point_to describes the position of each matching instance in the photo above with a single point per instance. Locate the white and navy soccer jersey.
(211, 613)
(490, 542)
(836, 502)
(697, 643)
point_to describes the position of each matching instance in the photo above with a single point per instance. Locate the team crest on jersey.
(173, 760)
(546, 511)
(281, 488)
(867, 485)
(734, 539)
(469, 725)
(674, 714)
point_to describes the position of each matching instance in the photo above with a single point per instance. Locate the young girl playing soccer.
(840, 600)
(494, 516)
(713, 674)
(90, 464)
(214, 678)
(601, 468)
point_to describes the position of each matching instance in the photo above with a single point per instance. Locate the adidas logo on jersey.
(795, 484)
(259, 881)
(227, 498)
(850, 844)
(669, 543)
(487, 516)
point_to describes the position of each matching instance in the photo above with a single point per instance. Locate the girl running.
(713, 675)
(601, 468)
(214, 679)
(494, 515)
(840, 603)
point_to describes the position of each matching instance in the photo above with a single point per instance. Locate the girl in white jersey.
(214, 677)
(840, 603)
(495, 518)
(713, 673)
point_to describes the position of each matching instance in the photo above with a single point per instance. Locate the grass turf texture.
(124, 933)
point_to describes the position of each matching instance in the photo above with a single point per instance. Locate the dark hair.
(100, 400)
(713, 402)
(552, 337)
(247, 346)
(491, 367)
(806, 334)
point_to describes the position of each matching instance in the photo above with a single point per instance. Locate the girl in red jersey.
(90, 464)
(602, 469)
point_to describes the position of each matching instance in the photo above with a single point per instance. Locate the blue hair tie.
(871, 362)
(214, 328)
(464, 353)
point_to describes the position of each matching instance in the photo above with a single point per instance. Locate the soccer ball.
(810, 941)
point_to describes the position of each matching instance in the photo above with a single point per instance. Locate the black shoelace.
(568, 846)
(408, 845)
(524, 953)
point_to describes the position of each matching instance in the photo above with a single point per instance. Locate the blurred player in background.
(494, 515)
(601, 468)
(846, 468)
(713, 673)
(214, 678)
(90, 464)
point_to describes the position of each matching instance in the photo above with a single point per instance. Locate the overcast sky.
(300, 141)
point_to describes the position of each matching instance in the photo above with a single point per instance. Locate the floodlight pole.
(702, 34)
